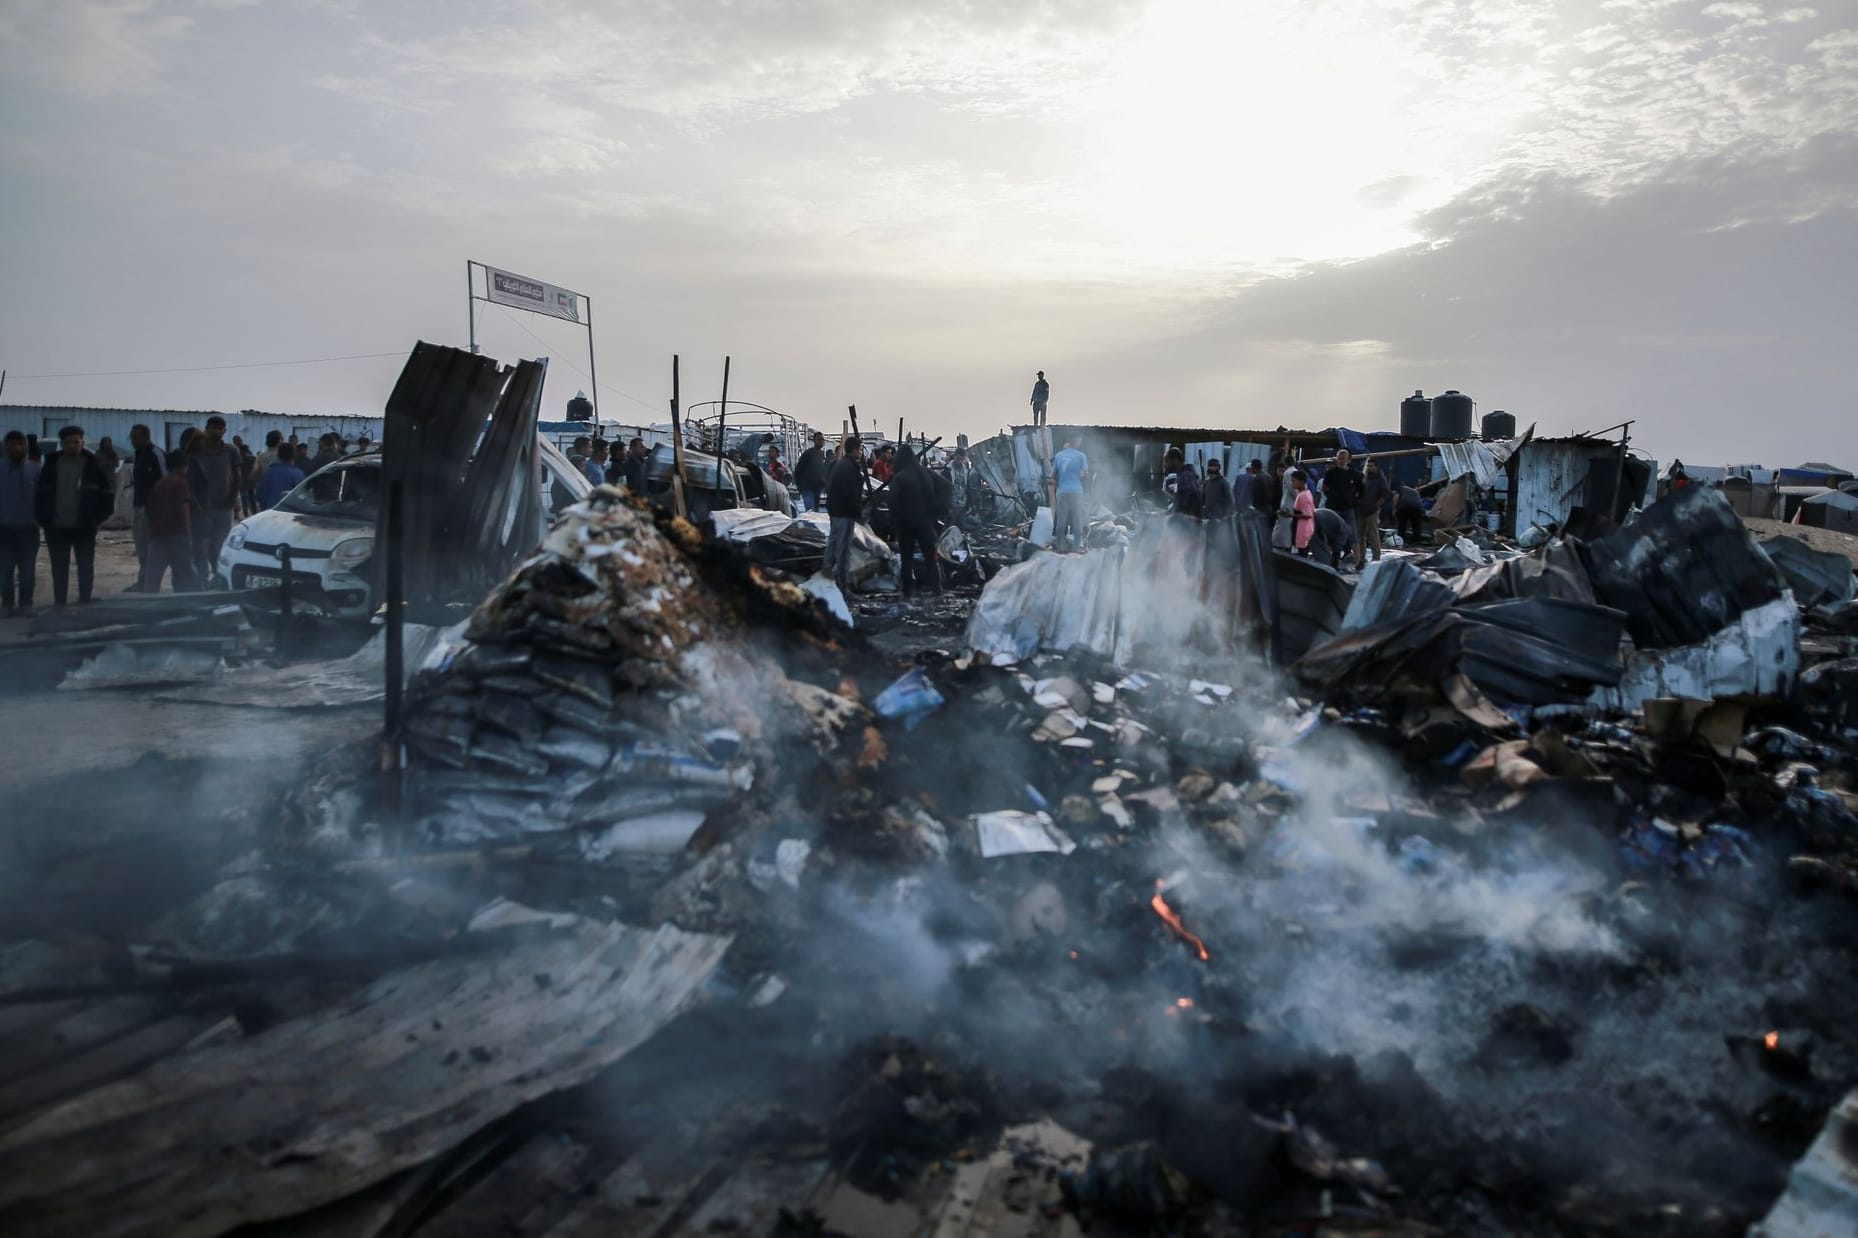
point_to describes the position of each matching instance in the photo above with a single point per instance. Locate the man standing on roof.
(1041, 395)
(845, 507)
(1069, 467)
(811, 473)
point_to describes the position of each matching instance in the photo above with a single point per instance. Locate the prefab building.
(166, 424)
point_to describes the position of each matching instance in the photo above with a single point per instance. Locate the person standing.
(632, 466)
(593, 468)
(1244, 490)
(1216, 494)
(912, 514)
(1069, 467)
(1374, 492)
(845, 508)
(71, 500)
(215, 467)
(249, 475)
(777, 467)
(279, 480)
(811, 473)
(1185, 485)
(1342, 487)
(1041, 396)
(170, 530)
(1284, 525)
(578, 451)
(19, 525)
(1302, 512)
(884, 465)
(1409, 509)
(147, 465)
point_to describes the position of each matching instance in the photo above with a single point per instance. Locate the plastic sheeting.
(1182, 588)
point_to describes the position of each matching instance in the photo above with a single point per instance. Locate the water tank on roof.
(1498, 426)
(580, 408)
(1451, 415)
(1416, 415)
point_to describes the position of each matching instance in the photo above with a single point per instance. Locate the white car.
(327, 523)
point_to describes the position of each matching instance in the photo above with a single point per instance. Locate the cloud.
(96, 48)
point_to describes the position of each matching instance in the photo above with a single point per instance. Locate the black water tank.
(1451, 415)
(580, 408)
(1499, 425)
(1416, 415)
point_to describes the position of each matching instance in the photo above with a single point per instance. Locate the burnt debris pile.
(1523, 905)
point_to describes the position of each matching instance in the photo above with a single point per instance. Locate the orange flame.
(1184, 1003)
(1173, 921)
(1772, 1040)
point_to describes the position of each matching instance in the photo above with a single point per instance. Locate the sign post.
(538, 297)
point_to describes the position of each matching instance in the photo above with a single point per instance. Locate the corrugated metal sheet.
(1551, 476)
(1484, 461)
(166, 424)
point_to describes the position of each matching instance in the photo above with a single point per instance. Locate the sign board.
(532, 294)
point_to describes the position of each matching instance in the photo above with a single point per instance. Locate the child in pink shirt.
(1303, 511)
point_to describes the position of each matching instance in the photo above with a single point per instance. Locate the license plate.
(257, 580)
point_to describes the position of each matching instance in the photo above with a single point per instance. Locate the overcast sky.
(1195, 212)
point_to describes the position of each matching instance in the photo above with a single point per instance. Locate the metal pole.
(722, 417)
(471, 306)
(591, 380)
(283, 600)
(1619, 473)
(677, 445)
(395, 658)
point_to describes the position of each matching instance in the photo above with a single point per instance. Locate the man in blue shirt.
(1069, 467)
(280, 477)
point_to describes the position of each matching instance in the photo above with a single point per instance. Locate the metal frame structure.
(471, 298)
(793, 435)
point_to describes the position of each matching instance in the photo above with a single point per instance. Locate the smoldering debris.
(1109, 936)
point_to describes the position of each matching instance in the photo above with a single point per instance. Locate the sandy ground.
(1819, 539)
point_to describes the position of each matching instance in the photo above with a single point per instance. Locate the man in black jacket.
(72, 499)
(1374, 495)
(812, 471)
(913, 504)
(1342, 487)
(845, 507)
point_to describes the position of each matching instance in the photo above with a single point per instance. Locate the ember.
(1173, 921)
(1772, 1040)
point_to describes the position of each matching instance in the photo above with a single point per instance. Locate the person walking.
(1216, 494)
(147, 465)
(1183, 485)
(170, 531)
(845, 508)
(1041, 396)
(1409, 510)
(19, 525)
(593, 468)
(913, 504)
(811, 472)
(214, 467)
(1374, 494)
(71, 500)
(1302, 512)
(1069, 467)
(279, 480)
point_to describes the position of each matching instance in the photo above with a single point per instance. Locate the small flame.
(1772, 1040)
(1184, 1003)
(1173, 921)
(1073, 954)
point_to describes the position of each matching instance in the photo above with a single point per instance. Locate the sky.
(1187, 212)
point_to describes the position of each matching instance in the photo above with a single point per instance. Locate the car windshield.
(351, 491)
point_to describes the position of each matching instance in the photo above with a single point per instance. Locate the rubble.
(1092, 920)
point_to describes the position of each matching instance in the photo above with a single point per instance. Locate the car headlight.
(236, 538)
(353, 553)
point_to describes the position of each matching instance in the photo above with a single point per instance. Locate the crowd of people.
(184, 503)
(1335, 518)
(597, 461)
